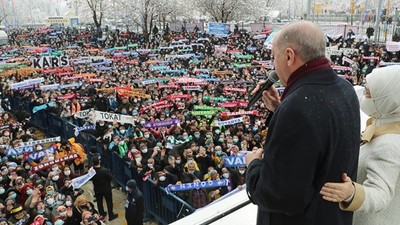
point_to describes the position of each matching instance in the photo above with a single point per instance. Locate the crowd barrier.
(166, 208)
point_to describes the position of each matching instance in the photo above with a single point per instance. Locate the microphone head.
(273, 76)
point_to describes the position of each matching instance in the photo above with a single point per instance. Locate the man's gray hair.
(304, 37)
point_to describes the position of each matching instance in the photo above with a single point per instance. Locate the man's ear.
(290, 56)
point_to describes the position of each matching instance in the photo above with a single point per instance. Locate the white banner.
(83, 114)
(26, 83)
(392, 46)
(50, 62)
(80, 181)
(42, 141)
(345, 59)
(111, 117)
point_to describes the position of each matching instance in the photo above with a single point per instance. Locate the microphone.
(273, 77)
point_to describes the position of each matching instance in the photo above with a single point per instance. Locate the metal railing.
(165, 207)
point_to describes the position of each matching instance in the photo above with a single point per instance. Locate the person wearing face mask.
(26, 191)
(101, 128)
(101, 103)
(134, 205)
(376, 194)
(122, 131)
(102, 188)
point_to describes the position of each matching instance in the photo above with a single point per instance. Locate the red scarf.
(309, 67)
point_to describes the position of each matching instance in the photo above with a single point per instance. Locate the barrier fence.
(166, 208)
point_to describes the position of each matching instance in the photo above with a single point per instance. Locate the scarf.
(373, 131)
(308, 67)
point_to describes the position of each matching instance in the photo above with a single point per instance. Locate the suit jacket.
(313, 138)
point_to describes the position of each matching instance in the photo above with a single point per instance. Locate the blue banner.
(80, 181)
(101, 63)
(41, 107)
(234, 161)
(38, 155)
(203, 76)
(219, 28)
(158, 67)
(173, 71)
(79, 129)
(19, 150)
(211, 79)
(106, 68)
(202, 184)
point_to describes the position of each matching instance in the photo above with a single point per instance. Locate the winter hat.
(131, 184)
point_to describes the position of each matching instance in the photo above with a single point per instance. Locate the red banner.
(163, 106)
(226, 89)
(153, 105)
(43, 166)
(67, 96)
(224, 114)
(178, 96)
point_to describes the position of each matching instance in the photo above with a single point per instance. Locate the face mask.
(218, 153)
(67, 172)
(144, 150)
(122, 131)
(101, 124)
(2, 191)
(192, 172)
(159, 144)
(59, 222)
(227, 134)
(29, 192)
(50, 201)
(27, 167)
(197, 135)
(55, 178)
(39, 148)
(51, 158)
(63, 214)
(255, 128)
(217, 131)
(13, 195)
(190, 161)
(1, 178)
(54, 169)
(225, 175)
(41, 211)
(138, 159)
(68, 203)
(235, 140)
(124, 112)
(242, 171)
(121, 143)
(221, 140)
(185, 137)
(146, 136)
(367, 105)
(9, 177)
(150, 165)
(229, 145)
(100, 96)
(50, 192)
(6, 134)
(208, 136)
(162, 178)
(178, 161)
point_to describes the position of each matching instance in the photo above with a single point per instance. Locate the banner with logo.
(111, 117)
(203, 113)
(178, 96)
(228, 89)
(223, 114)
(78, 182)
(153, 105)
(42, 141)
(79, 129)
(208, 108)
(234, 161)
(191, 88)
(164, 123)
(19, 150)
(228, 122)
(345, 59)
(45, 165)
(202, 184)
(83, 114)
(50, 61)
(39, 155)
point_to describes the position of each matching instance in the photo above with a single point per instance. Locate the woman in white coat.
(375, 197)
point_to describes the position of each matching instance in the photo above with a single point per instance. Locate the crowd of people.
(172, 77)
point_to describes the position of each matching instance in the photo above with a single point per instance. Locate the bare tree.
(221, 10)
(97, 8)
